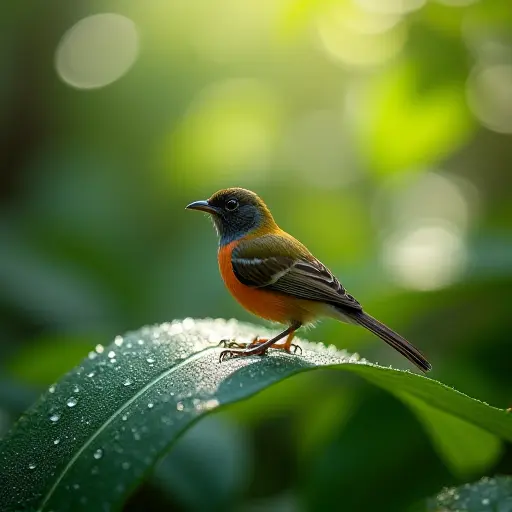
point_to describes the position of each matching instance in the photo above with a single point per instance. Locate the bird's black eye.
(231, 205)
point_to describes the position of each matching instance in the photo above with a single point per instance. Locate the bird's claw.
(231, 344)
(228, 354)
(225, 354)
(295, 348)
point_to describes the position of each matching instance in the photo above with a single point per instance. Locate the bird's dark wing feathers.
(260, 272)
(304, 278)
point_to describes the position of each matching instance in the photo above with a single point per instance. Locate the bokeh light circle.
(426, 257)
(489, 93)
(97, 51)
(427, 217)
(359, 38)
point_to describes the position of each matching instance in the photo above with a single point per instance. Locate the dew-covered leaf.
(92, 437)
(487, 495)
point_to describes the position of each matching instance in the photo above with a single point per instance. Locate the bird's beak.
(203, 206)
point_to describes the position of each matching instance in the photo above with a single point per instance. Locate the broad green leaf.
(190, 473)
(92, 437)
(489, 494)
(465, 448)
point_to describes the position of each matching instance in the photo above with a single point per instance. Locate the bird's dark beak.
(202, 206)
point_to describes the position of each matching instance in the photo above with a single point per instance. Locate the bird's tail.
(390, 337)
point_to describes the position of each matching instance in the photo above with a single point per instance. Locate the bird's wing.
(291, 269)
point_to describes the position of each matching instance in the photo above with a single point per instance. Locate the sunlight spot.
(489, 93)
(425, 196)
(97, 51)
(426, 257)
(360, 38)
(425, 219)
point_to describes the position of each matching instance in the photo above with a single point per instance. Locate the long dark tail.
(390, 337)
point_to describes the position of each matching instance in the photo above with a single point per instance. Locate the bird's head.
(235, 212)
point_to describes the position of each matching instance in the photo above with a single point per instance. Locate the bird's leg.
(263, 345)
(287, 346)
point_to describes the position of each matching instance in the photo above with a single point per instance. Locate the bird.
(274, 276)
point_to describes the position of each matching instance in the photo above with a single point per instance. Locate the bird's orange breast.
(266, 304)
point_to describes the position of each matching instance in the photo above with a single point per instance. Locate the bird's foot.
(235, 344)
(251, 349)
(233, 354)
(231, 344)
(247, 349)
(287, 347)
(296, 348)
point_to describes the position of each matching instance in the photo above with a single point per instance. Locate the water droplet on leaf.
(72, 401)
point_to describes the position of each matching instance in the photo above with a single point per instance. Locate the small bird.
(274, 276)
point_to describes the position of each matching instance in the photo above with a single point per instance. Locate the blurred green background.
(379, 133)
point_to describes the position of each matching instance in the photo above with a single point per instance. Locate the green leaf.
(92, 437)
(190, 473)
(489, 494)
(465, 448)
